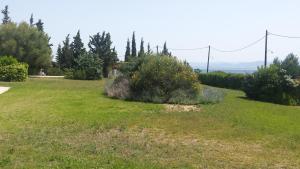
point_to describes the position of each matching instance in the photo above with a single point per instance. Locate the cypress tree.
(127, 53)
(31, 20)
(142, 50)
(77, 46)
(59, 58)
(165, 49)
(67, 54)
(40, 25)
(6, 18)
(149, 49)
(133, 46)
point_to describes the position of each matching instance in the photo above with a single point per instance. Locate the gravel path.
(4, 89)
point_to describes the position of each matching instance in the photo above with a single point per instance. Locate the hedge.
(14, 73)
(222, 79)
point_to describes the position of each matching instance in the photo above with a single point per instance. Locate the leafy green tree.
(291, 65)
(6, 18)
(133, 46)
(100, 45)
(127, 53)
(77, 46)
(142, 50)
(40, 25)
(26, 44)
(67, 59)
(31, 20)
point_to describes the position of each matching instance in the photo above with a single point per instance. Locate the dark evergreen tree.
(40, 25)
(31, 20)
(100, 45)
(165, 50)
(77, 46)
(127, 53)
(6, 18)
(67, 54)
(149, 51)
(142, 50)
(133, 46)
(59, 57)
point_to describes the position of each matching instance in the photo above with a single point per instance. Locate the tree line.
(29, 43)
(131, 49)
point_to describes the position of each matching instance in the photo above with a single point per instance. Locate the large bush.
(159, 79)
(11, 70)
(222, 79)
(27, 44)
(273, 84)
(88, 67)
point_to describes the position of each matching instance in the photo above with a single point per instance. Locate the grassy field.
(57, 123)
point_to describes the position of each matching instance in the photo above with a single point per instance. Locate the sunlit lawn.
(57, 123)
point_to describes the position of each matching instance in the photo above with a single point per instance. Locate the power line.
(176, 49)
(284, 36)
(240, 49)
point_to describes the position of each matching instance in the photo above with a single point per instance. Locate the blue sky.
(226, 24)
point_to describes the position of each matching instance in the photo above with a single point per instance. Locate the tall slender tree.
(142, 49)
(77, 46)
(6, 18)
(31, 20)
(67, 54)
(133, 46)
(165, 50)
(59, 57)
(127, 53)
(149, 51)
(40, 25)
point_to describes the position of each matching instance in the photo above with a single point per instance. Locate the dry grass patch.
(191, 151)
(181, 108)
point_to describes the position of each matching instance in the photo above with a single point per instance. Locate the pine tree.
(59, 58)
(142, 50)
(40, 25)
(100, 45)
(31, 20)
(6, 18)
(133, 46)
(77, 46)
(149, 51)
(127, 53)
(67, 54)
(165, 50)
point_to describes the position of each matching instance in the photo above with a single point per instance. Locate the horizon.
(157, 22)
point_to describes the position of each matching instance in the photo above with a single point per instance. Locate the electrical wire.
(284, 36)
(188, 49)
(240, 49)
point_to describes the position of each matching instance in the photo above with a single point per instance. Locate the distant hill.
(242, 67)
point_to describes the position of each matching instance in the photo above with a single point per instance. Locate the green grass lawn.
(57, 123)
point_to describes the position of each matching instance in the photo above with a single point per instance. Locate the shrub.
(273, 84)
(118, 88)
(54, 71)
(11, 70)
(158, 79)
(222, 79)
(88, 67)
(211, 95)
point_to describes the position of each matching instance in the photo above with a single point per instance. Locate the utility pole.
(208, 59)
(266, 48)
